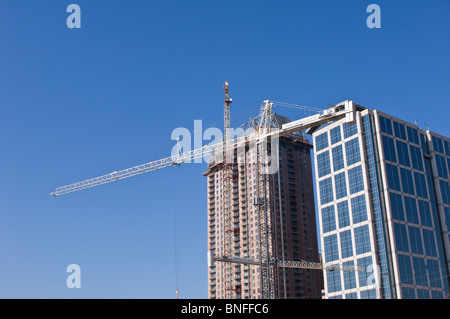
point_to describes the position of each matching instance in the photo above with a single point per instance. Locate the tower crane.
(262, 136)
(228, 160)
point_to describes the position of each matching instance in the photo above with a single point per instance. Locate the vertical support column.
(228, 159)
(266, 251)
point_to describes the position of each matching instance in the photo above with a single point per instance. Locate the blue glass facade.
(383, 185)
(419, 248)
(345, 224)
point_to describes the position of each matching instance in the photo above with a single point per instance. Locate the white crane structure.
(261, 138)
(228, 159)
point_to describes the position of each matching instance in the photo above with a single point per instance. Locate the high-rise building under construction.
(293, 229)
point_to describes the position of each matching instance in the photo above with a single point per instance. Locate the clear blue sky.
(78, 103)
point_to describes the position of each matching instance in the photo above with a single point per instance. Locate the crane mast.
(267, 246)
(267, 261)
(228, 160)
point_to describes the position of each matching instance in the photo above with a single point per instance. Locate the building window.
(362, 240)
(321, 141)
(420, 272)
(405, 269)
(401, 238)
(355, 180)
(343, 216)
(338, 158)
(434, 273)
(393, 177)
(403, 154)
(411, 210)
(416, 158)
(448, 164)
(441, 166)
(407, 181)
(364, 275)
(385, 125)
(323, 164)
(413, 136)
(335, 135)
(421, 185)
(436, 294)
(408, 293)
(326, 191)
(389, 149)
(425, 213)
(423, 142)
(423, 294)
(447, 148)
(396, 206)
(352, 151)
(349, 129)
(437, 144)
(430, 243)
(399, 130)
(352, 295)
(346, 244)
(328, 219)
(334, 281)
(447, 218)
(445, 190)
(349, 276)
(368, 294)
(340, 185)
(359, 211)
(331, 248)
(415, 240)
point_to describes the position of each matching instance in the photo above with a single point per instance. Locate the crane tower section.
(228, 157)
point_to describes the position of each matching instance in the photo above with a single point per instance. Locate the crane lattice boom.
(344, 109)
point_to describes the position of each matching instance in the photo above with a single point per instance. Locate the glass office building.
(383, 196)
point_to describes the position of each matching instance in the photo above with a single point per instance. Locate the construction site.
(263, 224)
(289, 152)
(262, 239)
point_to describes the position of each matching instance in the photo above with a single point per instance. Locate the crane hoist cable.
(176, 221)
